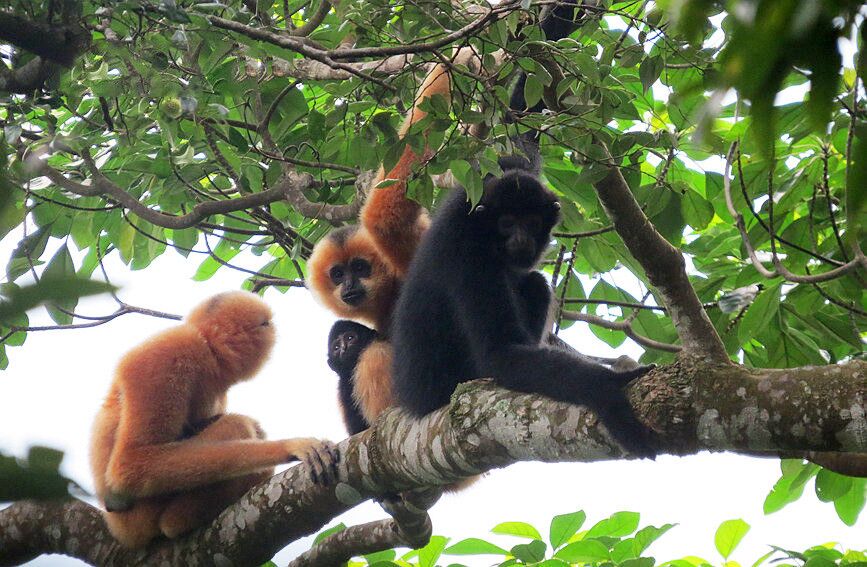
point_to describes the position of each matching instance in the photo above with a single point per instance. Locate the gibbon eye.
(266, 323)
(480, 209)
(556, 205)
(350, 338)
(336, 273)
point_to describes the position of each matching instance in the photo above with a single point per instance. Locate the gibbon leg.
(138, 525)
(200, 506)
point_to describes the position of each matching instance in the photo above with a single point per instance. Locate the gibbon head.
(237, 327)
(348, 275)
(346, 341)
(516, 214)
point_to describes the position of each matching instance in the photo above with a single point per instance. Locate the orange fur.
(391, 228)
(381, 286)
(396, 223)
(372, 380)
(166, 385)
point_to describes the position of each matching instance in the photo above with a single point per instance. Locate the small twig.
(584, 234)
(295, 44)
(95, 322)
(859, 261)
(314, 22)
(260, 283)
(625, 327)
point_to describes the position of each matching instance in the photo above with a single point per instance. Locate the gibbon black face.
(346, 341)
(517, 212)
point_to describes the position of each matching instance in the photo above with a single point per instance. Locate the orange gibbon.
(165, 457)
(356, 271)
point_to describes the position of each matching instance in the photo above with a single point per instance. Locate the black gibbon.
(346, 341)
(357, 271)
(473, 307)
(165, 456)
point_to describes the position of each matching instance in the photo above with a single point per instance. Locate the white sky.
(56, 382)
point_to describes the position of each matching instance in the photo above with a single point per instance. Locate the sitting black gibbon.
(474, 307)
(346, 341)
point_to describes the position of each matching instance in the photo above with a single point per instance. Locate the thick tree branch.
(289, 189)
(55, 42)
(307, 70)
(693, 405)
(295, 44)
(663, 264)
(330, 57)
(27, 78)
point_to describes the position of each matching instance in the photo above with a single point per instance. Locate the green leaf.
(469, 177)
(790, 486)
(729, 535)
(533, 89)
(517, 529)
(648, 535)
(37, 477)
(316, 126)
(474, 546)
(387, 556)
(329, 531)
(856, 182)
(428, 555)
(565, 526)
(650, 70)
(697, 211)
(620, 524)
(32, 246)
(58, 289)
(830, 486)
(584, 551)
(532, 552)
(59, 267)
(850, 505)
(760, 313)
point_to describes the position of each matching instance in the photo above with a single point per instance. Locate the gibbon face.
(347, 274)
(517, 214)
(346, 341)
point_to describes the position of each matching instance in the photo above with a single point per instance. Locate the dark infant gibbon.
(346, 341)
(474, 307)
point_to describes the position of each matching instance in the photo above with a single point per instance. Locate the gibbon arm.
(395, 222)
(146, 460)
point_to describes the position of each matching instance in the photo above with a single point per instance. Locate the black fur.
(557, 22)
(473, 307)
(343, 355)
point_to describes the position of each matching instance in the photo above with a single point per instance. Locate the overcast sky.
(56, 382)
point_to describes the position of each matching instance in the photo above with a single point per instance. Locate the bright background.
(56, 381)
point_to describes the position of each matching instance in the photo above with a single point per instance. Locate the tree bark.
(693, 405)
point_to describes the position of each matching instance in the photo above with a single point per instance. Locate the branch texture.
(692, 405)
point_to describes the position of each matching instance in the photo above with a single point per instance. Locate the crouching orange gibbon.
(165, 457)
